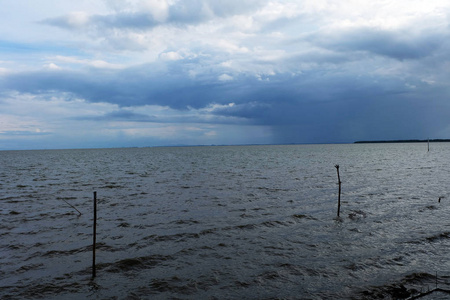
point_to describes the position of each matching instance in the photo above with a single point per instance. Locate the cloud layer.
(167, 72)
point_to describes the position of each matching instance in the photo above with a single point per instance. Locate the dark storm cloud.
(314, 106)
(130, 87)
(312, 97)
(319, 107)
(123, 115)
(169, 84)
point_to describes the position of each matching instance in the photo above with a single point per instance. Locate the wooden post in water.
(339, 196)
(95, 234)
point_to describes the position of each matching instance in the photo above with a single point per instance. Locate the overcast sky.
(82, 74)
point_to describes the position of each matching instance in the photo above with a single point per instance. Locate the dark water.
(254, 222)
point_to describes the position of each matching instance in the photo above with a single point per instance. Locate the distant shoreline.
(403, 141)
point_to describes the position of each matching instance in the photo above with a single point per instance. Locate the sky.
(136, 73)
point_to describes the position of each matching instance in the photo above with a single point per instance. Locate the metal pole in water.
(95, 234)
(339, 197)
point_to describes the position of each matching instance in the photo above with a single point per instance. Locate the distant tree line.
(404, 141)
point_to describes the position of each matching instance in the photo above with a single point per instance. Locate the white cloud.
(3, 71)
(77, 19)
(171, 55)
(225, 77)
(388, 15)
(12, 123)
(52, 66)
(159, 9)
(211, 133)
(229, 46)
(278, 10)
(96, 63)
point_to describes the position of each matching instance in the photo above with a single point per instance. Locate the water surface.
(238, 222)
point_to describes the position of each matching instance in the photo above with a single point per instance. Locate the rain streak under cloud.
(76, 74)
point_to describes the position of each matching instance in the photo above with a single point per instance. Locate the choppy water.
(248, 222)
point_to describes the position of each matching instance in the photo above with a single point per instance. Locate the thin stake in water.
(95, 233)
(339, 197)
(72, 207)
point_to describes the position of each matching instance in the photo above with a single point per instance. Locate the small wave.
(392, 291)
(357, 215)
(418, 278)
(300, 216)
(444, 235)
(99, 246)
(137, 263)
(66, 198)
(244, 226)
(13, 200)
(164, 285)
(272, 190)
(53, 253)
(186, 222)
(112, 185)
(183, 236)
(30, 267)
(43, 290)
(371, 263)
(172, 237)
(429, 207)
(177, 285)
(180, 237)
(273, 223)
(404, 288)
